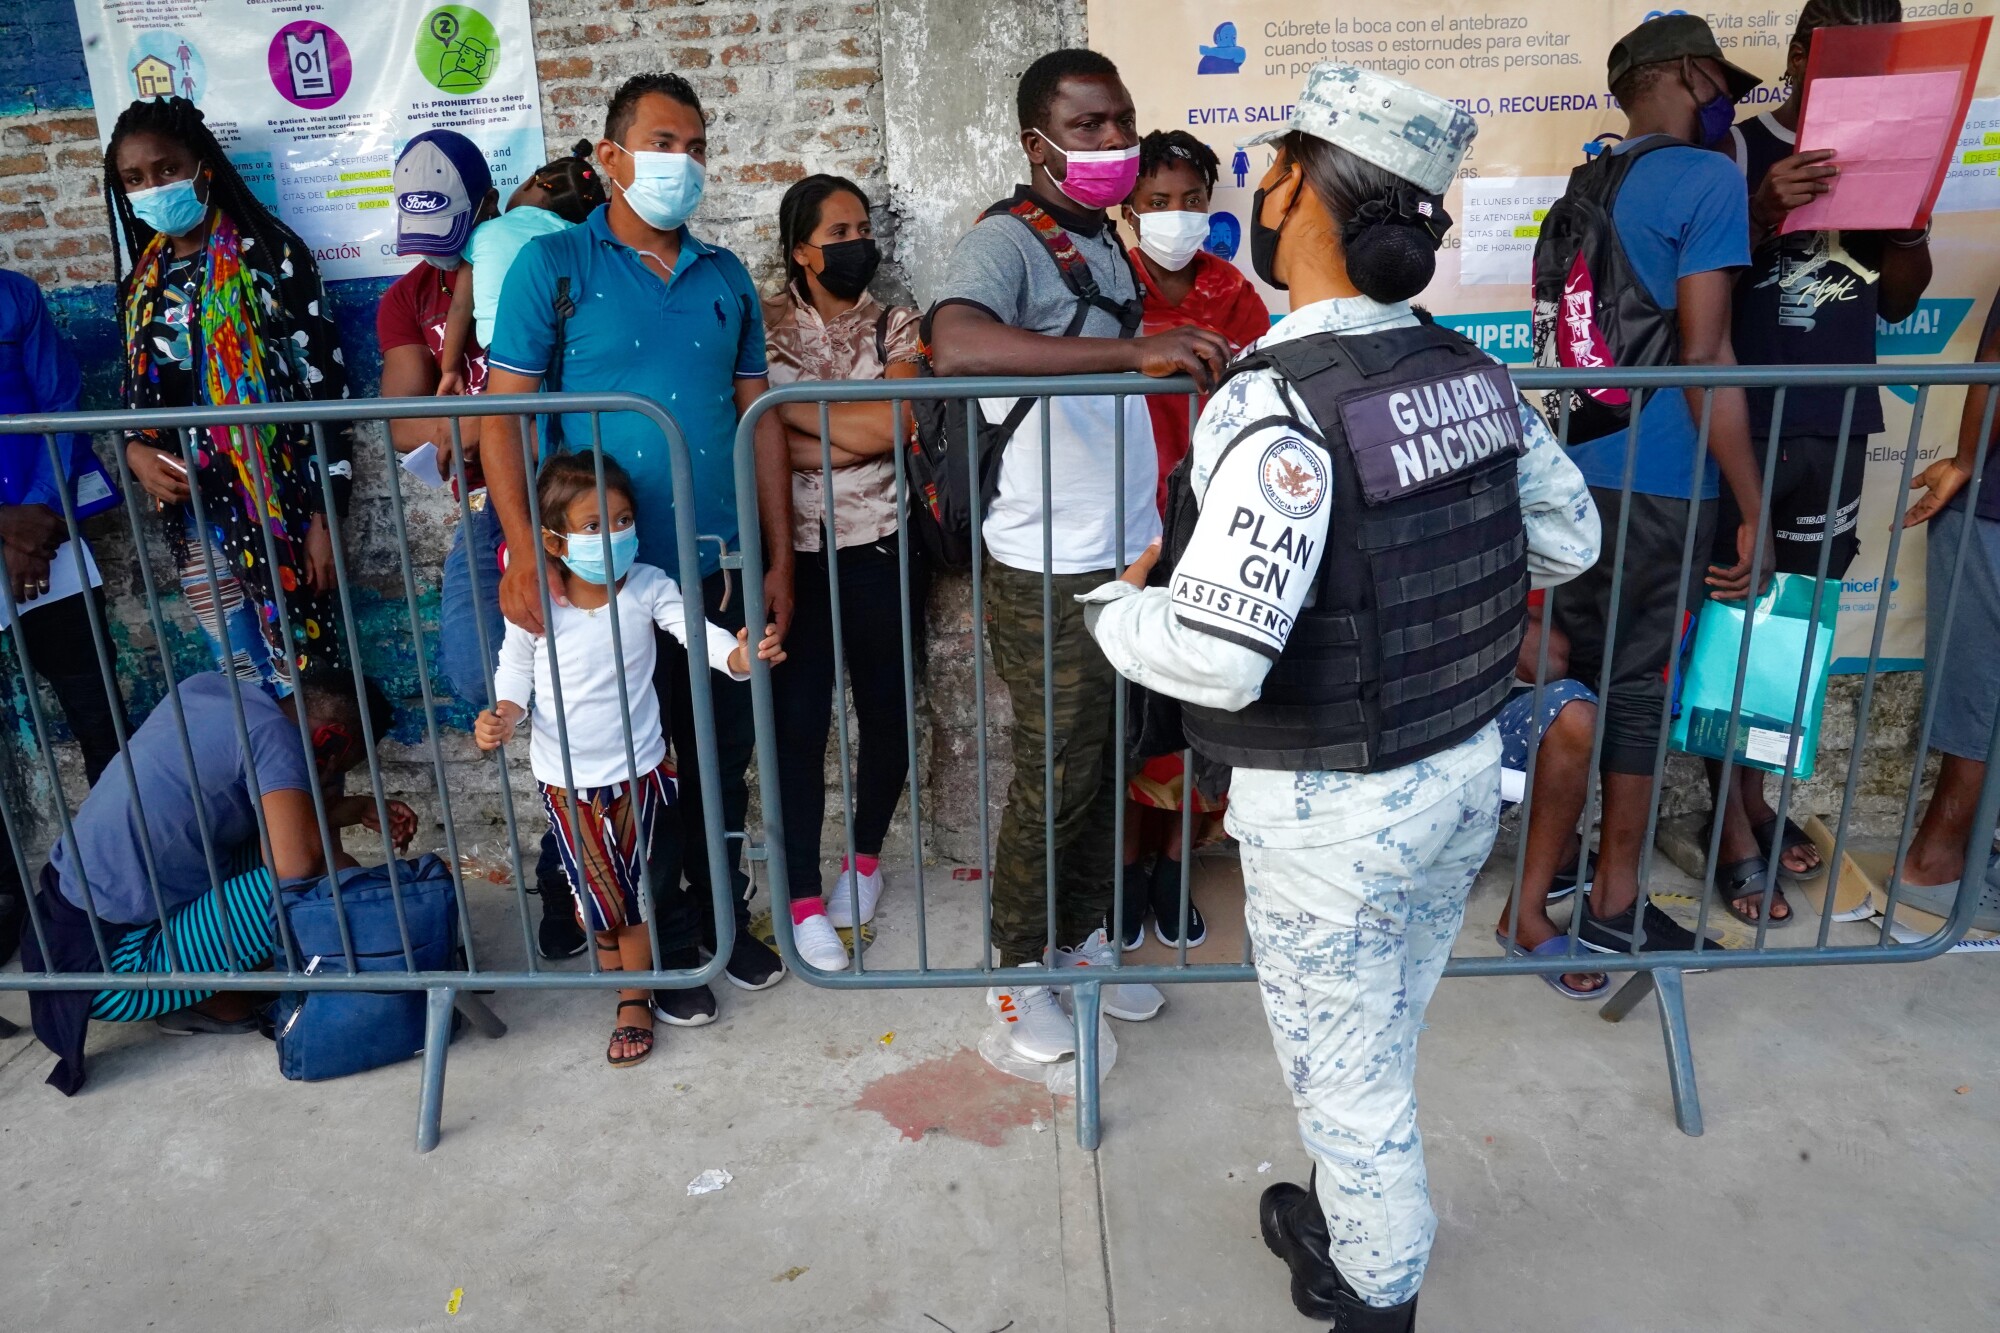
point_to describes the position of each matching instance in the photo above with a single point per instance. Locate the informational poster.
(1533, 75)
(313, 110)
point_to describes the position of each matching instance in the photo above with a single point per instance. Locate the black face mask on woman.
(849, 266)
(1264, 243)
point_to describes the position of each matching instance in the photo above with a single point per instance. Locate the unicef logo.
(419, 202)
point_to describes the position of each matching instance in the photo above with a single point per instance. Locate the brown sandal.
(643, 1037)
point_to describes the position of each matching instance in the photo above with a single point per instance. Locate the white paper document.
(1503, 219)
(422, 463)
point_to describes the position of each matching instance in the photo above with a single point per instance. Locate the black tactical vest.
(1406, 645)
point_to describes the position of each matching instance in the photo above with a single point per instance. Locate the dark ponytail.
(1390, 230)
(575, 189)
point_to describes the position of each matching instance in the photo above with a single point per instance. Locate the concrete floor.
(1845, 1181)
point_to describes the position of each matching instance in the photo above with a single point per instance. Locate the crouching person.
(139, 863)
(1342, 621)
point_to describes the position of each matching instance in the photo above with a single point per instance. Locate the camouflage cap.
(1418, 135)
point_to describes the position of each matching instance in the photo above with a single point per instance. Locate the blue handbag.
(330, 1034)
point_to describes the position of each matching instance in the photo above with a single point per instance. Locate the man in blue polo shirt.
(658, 313)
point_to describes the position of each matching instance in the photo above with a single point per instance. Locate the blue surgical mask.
(1717, 116)
(585, 554)
(665, 189)
(172, 210)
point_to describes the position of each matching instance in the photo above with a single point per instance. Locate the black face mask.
(1264, 243)
(849, 266)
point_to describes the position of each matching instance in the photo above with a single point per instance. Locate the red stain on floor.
(960, 1095)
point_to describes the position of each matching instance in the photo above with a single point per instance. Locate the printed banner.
(1533, 75)
(313, 111)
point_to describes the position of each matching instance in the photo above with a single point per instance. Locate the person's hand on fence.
(495, 726)
(521, 594)
(1186, 350)
(1792, 182)
(1733, 583)
(771, 648)
(1940, 482)
(27, 571)
(160, 473)
(402, 822)
(319, 571)
(1141, 569)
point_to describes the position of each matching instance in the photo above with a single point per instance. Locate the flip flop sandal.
(1557, 946)
(1742, 883)
(630, 1035)
(1794, 836)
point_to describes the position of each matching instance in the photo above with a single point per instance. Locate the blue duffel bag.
(330, 1034)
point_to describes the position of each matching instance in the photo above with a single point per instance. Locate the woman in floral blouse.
(825, 326)
(223, 305)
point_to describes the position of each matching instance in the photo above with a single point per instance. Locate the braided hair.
(574, 187)
(178, 119)
(1163, 148)
(1843, 14)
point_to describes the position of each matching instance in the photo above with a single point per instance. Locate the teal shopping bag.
(1769, 732)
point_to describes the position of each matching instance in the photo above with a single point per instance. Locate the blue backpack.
(330, 1034)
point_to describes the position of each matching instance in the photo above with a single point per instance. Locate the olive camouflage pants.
(1080, 750)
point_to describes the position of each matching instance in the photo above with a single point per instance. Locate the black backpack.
(1592, 311)
(950, 431)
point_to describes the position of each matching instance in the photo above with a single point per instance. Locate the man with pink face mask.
(1042, 286)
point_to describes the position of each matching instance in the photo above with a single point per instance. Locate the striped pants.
(241, 907)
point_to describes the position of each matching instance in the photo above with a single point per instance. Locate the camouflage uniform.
(1085, 760)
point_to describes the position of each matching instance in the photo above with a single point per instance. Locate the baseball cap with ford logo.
(440, 180)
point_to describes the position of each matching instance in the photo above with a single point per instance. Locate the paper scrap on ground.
(709, 1181)
(1262, 1167)
(1888, 132)
(63, 581)
(1503, 217)
(1972, 182)
(422, 463)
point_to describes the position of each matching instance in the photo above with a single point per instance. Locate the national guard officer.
(1364, 510)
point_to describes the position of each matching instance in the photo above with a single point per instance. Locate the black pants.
(1647, 635)
(871, 627)
(1801, 486)
(58, 645)
(684, 901)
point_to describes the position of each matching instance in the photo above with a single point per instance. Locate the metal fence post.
(437, 1037)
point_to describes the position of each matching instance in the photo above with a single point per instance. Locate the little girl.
(618, 818)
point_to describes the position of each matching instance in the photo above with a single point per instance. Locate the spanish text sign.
(312, 110)
(1533, 75)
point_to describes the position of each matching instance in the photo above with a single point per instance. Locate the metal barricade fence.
(1658, 972)
(448, 988)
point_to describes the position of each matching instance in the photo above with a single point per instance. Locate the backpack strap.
(565, 306)
(1075, 269)
(882, 337)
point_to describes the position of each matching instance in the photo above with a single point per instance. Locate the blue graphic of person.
(1240, 167)
(1225, 235)
(1225, 57)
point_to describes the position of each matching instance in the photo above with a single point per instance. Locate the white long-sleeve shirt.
(579, 647)
(1181, 649)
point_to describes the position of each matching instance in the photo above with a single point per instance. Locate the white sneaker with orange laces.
(1034, 1021)
(1132, 1001)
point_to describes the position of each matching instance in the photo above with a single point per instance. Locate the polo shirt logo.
(720, 318)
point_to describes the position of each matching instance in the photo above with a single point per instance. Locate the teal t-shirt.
(491, 253)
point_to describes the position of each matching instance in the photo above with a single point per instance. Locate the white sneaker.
(1135, 1002)
(1036, 1026)
(840, 905)
(819, 945)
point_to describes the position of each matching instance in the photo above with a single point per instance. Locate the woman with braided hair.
(223, 305)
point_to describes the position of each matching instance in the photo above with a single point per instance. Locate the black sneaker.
(1613, 934)
(1132, 929)
(753, 964)
(691, 1007)
(1166, 895)
(559, 936)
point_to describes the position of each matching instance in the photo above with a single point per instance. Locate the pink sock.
(805, 907)
(867, 865)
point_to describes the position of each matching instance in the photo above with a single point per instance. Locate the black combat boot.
(1295, 1230)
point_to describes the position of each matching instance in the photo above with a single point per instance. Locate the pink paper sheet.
(1888, 132)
